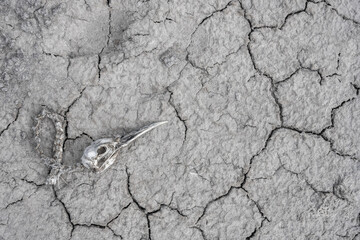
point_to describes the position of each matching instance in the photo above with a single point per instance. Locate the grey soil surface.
(262, 99)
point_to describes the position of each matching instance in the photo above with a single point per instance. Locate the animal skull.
(102, 153)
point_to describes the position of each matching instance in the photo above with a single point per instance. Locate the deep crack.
(14, 202)
(333, 111)
(98, 65)
(32, 182)
(108, 3)
(318, 70)
(293, 14)
(273, 90)
(130, 193)
(214, 200)
(209, 16)
(11, 123)
(356, 87)
(97, 226)
(257, 154)
(171, 102)
(212, 14)
(149, 226)
(322, 135)
(192, 34)
(341, 15)
(143, 209)
(201, 232)
(65, 114)
(65, 209)
(77, 137)
(257, 229)
(114, 218)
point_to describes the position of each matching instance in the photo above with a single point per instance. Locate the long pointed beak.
(130, 137)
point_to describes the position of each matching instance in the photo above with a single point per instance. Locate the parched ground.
(262, 99)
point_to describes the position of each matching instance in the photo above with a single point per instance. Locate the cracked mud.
(262, 99)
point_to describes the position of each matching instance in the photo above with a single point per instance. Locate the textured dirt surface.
(262, 99)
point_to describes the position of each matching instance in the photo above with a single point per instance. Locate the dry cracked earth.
(262, 99)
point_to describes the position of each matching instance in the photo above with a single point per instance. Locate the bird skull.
(100, 154)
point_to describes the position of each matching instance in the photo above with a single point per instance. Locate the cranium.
(102, 153)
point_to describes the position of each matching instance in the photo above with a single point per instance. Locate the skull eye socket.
(101, 150)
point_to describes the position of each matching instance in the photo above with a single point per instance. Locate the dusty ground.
(262, 99)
